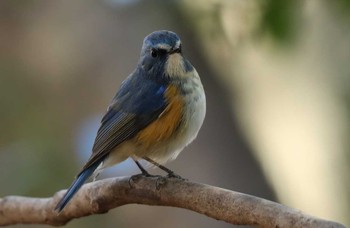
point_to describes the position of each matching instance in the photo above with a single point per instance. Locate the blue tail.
(78, 182)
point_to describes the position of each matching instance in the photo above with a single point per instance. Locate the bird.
(157, 111)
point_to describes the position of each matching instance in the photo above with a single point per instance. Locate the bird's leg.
(159, 182)
(171, 173)
(134, 177)
(143, 170)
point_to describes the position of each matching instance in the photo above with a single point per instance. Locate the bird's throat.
(174, 66)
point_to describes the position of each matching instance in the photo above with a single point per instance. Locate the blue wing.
(138, 102)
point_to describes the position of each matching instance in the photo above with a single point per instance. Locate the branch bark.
(101, 196)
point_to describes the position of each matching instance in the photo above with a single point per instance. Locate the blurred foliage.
(278, 18)
(61, 62)
(342, 5)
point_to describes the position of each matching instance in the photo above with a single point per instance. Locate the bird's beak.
(176, 49)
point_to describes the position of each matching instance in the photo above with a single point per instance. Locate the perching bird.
(157, 111)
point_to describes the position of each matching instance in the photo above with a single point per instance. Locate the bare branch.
(101, 196)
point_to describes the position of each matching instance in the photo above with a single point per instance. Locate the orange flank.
(167, 122)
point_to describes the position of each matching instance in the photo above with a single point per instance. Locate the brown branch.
(101, 196)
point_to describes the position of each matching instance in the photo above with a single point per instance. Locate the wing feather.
(127, 115)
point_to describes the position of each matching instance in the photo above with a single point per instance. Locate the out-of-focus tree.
(285, 65)
(275, 72)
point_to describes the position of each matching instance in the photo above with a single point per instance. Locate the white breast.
(194, 113)
(163, 151)
(195, 108)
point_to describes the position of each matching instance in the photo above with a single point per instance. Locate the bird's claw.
(160, 181)
(174, 175)
(133, 178)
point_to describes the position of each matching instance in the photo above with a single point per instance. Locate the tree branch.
(101, 196)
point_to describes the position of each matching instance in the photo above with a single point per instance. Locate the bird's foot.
(174, 175)
(134, 178)
(161, 180)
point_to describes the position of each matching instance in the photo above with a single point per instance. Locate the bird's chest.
(193, 114)
(194, 111)
(167, 123)
(177, 125)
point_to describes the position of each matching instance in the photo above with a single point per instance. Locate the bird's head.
(161, 55)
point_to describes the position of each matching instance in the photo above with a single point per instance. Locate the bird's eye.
(154, 53)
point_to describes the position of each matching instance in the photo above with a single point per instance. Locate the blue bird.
(157, 111)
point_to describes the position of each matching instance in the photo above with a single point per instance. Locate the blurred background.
(276, 75)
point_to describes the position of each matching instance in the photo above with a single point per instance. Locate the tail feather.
(78, 182)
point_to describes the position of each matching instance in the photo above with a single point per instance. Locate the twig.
(101, 196)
